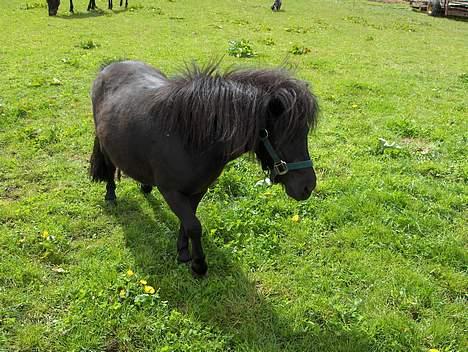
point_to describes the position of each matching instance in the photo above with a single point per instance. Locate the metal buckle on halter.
(280, 167)
(263, 134)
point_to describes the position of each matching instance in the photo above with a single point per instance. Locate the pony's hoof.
(110, 200)
(199, 268)
(146, 189)
(184, 256)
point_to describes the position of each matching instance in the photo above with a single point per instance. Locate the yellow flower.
(149, 289)
(130, 272)
(45, 234)
(296, 218)
(143, 282)
(123, 293)
(354, 106)
(433, 350)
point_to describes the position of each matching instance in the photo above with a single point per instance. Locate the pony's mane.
(206, 106)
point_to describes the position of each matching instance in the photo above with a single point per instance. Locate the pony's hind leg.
(103, 170)
(110, 191)
(92, 5)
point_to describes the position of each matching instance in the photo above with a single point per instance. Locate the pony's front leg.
(71, 6)
(183, 253)
(185, 208)
(146, 189)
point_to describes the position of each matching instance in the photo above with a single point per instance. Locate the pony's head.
(291, 111)
(53, 6)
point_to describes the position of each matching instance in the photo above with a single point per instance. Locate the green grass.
(378, 260)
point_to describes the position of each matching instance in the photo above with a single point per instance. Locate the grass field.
(375, 260)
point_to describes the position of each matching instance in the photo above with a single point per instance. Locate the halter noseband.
(280, 167)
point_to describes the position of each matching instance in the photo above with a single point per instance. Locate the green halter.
(280, 167)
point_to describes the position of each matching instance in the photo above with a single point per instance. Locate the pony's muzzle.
(300, 187)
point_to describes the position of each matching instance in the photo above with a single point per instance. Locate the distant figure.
(276, 5)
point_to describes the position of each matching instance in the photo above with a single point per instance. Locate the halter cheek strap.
(280, 167)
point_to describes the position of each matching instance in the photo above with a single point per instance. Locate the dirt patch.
(419, 145)
(11, 193)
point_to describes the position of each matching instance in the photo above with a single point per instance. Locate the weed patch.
(34, 5)
(299, 50)
(241, 49)
(88, 45)
(404, 128)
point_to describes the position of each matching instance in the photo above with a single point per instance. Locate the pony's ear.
(276, 106)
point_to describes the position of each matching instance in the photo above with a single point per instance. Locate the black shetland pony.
(53, 5)
(178, 134)
(276, 5)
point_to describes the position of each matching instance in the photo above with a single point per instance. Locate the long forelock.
(301, 107)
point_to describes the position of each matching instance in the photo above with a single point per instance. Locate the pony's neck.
(250, 146)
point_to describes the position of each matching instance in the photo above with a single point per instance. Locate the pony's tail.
(101, 168)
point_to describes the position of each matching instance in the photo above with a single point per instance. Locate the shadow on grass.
(227, 299)
(80, 15)
(457, 18)
(91, 13)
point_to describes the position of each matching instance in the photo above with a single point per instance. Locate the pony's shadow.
(120, 10)
(227, 300)
(90, 14)
(81, 15)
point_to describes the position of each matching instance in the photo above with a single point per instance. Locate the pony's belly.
(165, 164)
(139, 176)
(191, 176)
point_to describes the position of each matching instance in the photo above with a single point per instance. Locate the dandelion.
(433, 350)
(149, 289)
(130, 272)
(123, 293)
(143, 282)
(296, 218)
(354, 106)
(45, 235)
